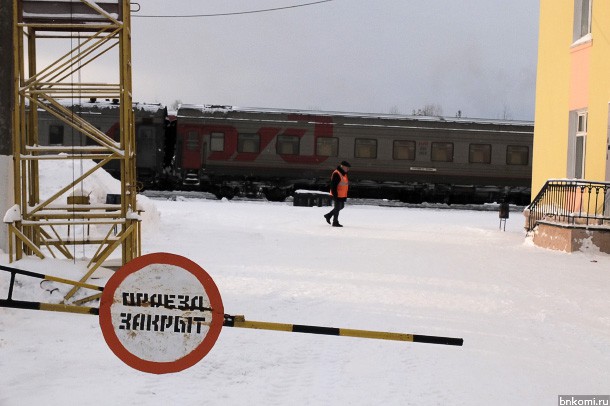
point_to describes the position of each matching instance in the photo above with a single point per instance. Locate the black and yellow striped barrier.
(241, 322)
(238, 321)
(54, 307)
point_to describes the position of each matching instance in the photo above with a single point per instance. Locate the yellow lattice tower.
(89, 29)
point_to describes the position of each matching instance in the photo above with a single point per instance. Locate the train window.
(56, 135)
(479, 154)
(517, 155)
(327, 146)
(248, 143)
(146, 138)
(365, 148)
(287, 145)
(217, 142)
(90, 141)
(192, 140)
(146, 134)
(441, 152)
(404, 150)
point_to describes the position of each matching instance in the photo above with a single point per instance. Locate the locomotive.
(231, 151)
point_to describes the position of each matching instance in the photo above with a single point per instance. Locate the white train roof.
(194, 110)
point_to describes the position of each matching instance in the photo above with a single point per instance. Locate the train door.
(192, 156)
(146, 154)
(114, 166)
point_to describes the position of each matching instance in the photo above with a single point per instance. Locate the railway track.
(192, 194)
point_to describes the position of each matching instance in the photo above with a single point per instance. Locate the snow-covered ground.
(535, 322)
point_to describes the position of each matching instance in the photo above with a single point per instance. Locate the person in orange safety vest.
(339, 184)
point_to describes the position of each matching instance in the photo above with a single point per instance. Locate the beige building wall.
(571, 76)
(552, 93)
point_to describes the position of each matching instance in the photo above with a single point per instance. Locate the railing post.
(605, 210)
(595, 207)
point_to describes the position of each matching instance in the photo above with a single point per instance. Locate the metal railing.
(570, 202)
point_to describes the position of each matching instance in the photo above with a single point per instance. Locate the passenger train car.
(238, 151)
(232, 151)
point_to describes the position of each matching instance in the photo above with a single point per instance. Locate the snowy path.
(536, 323)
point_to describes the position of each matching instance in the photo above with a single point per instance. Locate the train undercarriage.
(278, 190)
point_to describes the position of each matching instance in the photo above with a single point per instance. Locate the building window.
(287, 145)
(327, 146)
(582, 18)
(56, 135)
(581, 143)
(365, 148)
(441, 152)
(248, 143)
(479, 154)
(217, 142)
(404, 150)
(517, 155)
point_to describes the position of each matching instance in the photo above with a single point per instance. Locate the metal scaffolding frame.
(90, 29)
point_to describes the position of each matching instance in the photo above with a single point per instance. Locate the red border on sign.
(151, 366)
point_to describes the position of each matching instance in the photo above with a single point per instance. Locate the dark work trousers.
(338, 205)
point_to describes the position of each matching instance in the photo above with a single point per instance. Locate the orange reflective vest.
(342, 186)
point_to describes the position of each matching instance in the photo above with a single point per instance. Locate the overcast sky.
(477, 56)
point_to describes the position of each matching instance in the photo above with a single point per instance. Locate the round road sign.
(161, 313)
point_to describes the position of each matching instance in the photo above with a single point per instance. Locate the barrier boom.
(162, 313)
(238, 321)
(54, 307)
(241, 322)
